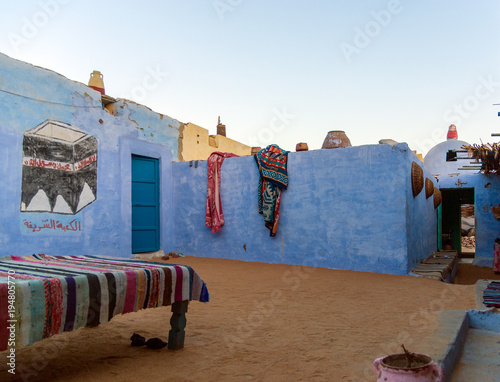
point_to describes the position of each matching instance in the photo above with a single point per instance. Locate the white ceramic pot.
(392, 368)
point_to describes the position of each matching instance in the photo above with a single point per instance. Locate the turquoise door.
(145, 204)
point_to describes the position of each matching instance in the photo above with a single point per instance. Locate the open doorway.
(457, 218)
(468, 230)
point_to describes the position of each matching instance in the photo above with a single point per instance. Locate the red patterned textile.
(214, 217)
(496, 258)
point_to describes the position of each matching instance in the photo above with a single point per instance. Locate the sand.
(468, 274)
(264, 322)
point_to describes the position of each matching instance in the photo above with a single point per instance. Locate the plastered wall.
(66, 169)
(348, 208)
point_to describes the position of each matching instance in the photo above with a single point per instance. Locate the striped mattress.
(44, 295)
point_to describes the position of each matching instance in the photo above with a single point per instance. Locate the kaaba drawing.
(59, 169)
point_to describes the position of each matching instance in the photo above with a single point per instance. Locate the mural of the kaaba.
(59, 169)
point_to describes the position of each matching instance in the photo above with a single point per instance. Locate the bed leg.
(177, 323)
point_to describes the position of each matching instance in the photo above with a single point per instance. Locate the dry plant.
(488, 153)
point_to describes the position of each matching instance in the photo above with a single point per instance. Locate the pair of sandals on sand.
(152, 343)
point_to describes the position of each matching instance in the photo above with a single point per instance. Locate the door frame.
(156, 203)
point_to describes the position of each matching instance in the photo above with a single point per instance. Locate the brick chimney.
(221, 129)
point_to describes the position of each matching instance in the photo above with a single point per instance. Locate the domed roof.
(435, 160)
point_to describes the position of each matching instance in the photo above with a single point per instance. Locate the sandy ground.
(263, 323)
(469, 274)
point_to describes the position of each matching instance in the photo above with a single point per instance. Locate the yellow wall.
(196, 144)
(420, 156)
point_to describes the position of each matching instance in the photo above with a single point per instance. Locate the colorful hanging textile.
(491, 295)
(496, 256)
(272, 163)
(214, 217)
(44, 295)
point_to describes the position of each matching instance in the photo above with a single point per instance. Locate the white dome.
(435, 160)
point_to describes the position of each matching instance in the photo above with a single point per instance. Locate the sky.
(282, 71)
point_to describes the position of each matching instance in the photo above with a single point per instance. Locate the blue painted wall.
(346, 208)
(486, 195)
(421, 218)
(31, 95)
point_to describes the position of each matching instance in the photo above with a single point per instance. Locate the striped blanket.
(272, 163)
(44, 295)
(491, 295)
